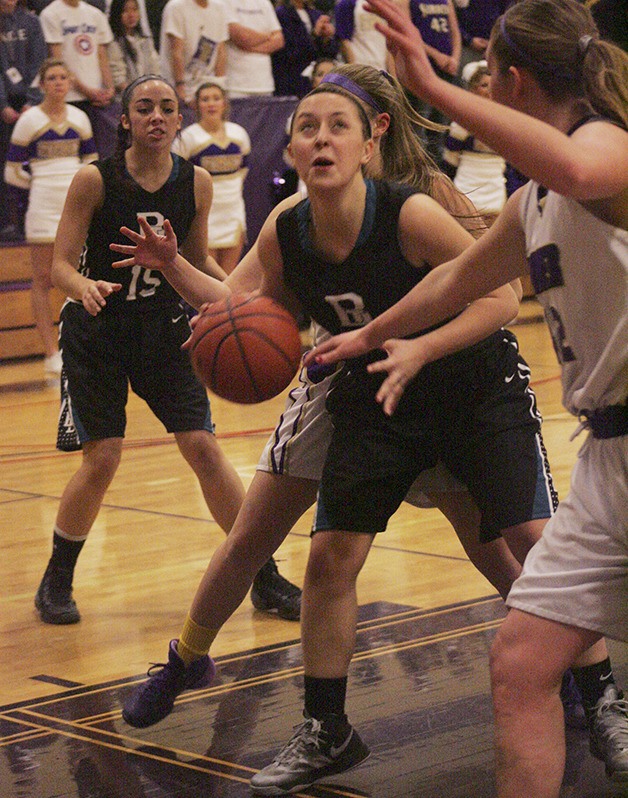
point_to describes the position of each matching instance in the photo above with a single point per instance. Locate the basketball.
(245, 349)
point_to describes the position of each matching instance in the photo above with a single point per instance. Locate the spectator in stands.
(155, 10)
(54, 139)
(193, 44)
(438, 26)
(476, 20)
(222, 148)
(79, 34)
(360, 42)
(254, 34)
(308, 35)
(131, 53)
(22, 51)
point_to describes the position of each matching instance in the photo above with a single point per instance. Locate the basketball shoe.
(608, 733)
(53, 599)
(575, 716)
(271, 592)
(317, 749)
(154, 699)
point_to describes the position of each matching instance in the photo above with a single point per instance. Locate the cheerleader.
(222, 148)
(49, 144)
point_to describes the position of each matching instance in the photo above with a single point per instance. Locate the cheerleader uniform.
(54, 152)
(225, 158)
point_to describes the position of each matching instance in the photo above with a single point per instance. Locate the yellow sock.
(195, 641)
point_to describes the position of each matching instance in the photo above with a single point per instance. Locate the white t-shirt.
(80, 30)
(250, 73)
(201, 29)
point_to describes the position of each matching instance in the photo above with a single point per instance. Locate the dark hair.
(117, 28)
(558, 42)
(123, 140)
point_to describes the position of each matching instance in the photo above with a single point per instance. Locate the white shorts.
(298, 446)
(577, 574)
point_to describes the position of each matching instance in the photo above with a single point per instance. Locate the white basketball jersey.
(579, 269)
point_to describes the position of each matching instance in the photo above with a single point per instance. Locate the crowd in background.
(248, 48)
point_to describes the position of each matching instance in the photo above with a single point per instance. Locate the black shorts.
(103, 354)
(474, 411)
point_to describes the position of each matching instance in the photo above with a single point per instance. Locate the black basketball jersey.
(124, 201)
(375, 275)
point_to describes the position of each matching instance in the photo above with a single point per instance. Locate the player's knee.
(333, 564)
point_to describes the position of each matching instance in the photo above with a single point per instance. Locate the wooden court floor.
(418, 688)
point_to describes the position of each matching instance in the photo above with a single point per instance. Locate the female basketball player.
(126, 328)
(48, 145)
(286, 486)
(563, 122)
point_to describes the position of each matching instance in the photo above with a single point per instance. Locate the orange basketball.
(246, 348)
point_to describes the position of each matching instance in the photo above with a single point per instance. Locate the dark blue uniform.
(473, 410)
(137, 336)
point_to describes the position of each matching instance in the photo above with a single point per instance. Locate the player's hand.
(405, 360)
(95, 295)
(149, 250)
(405, 44)
(337, 348)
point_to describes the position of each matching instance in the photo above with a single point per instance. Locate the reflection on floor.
(418, 693)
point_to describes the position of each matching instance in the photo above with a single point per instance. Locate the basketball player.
(371, 461)
(286, 481)
(121, 328)
(562, 120)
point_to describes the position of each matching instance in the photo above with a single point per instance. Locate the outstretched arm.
(497, 257)
(591, 164)
(160, 253)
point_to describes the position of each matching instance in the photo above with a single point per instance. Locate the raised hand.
(149, 250)
(406, 46)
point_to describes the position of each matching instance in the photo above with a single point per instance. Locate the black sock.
(592, 681)
(65, 552)
(325, 696)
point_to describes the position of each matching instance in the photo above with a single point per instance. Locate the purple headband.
(348, 85)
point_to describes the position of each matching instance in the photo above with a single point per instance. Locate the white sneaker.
(53, 363)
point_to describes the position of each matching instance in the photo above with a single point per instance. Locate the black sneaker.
(609, 733)
(154, 699)
(54, 597)
(317, 749)
(271, 592)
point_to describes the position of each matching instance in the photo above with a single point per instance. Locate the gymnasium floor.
(418, 688)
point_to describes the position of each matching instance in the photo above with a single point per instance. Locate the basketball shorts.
(103, 354)
(298, 445)
(474, 412)
(577, 574)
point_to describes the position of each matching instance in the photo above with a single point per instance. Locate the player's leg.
(528, 658)
(494, 558)
(325, 743)
(97, 391)
(220, 483)
(271, 507)
(80, 503)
